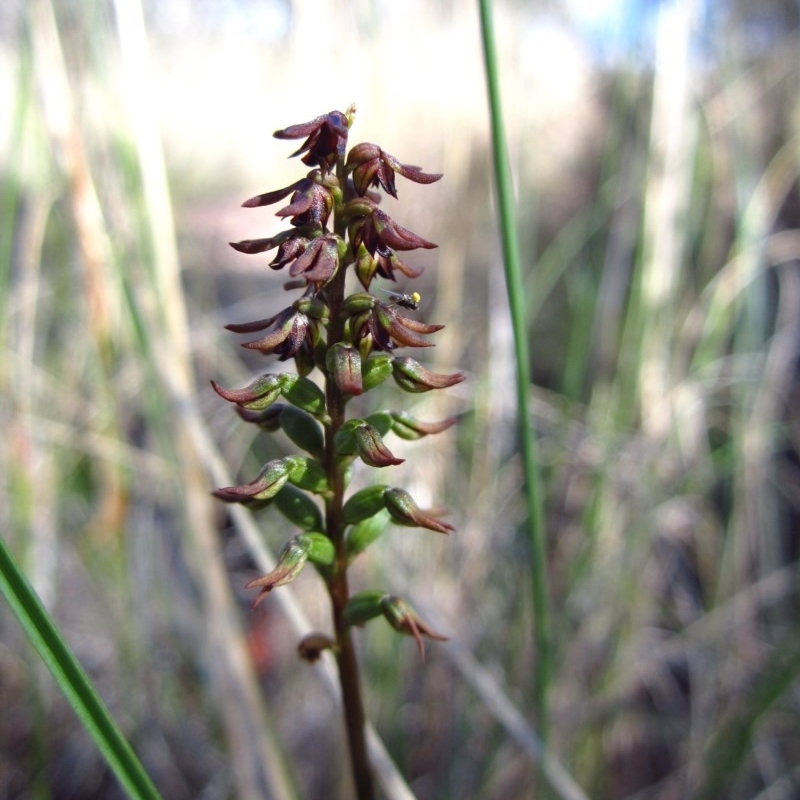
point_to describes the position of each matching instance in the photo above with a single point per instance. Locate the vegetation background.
(656, 157)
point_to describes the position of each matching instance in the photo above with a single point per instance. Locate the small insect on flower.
(409, 301)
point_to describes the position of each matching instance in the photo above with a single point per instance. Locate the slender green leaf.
(74, 682)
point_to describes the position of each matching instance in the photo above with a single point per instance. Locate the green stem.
(338, 588)
(516, 299)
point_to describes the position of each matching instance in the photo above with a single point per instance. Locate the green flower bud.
(256, 396)
(313, 307)
(371, 448)
(291, 561)
(269, 482)
(405, 511)
(358, 303)
(413, 377)
(405, 620)
(343, 361)
(365, 267)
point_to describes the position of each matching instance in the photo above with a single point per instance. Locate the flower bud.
(358, 302)
(258, 395)
(365, 267)
(345, 438)
(413, 377)
(344, 363)
(291, 561)
(371, 448)
(312, 646)
(405, 511)
(269, 482)
(405, 620)
(313, 307)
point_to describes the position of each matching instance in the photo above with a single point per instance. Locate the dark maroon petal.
(390, 321)
(301, 129)
(268, 343)
(269, 198)
(416, 325)
(416, 174)
(253, 246)
(396, 236)
(289, 251)
(252, 327)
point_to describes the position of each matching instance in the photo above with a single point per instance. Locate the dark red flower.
(326, 139)
(371, 166)
(378, 232)
(389, 329)
(311, 204)
(294, 331)
(319, 260)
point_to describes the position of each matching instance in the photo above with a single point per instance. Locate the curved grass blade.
(73, 681)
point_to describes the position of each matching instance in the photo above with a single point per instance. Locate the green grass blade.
(74, 682)
(516, 299)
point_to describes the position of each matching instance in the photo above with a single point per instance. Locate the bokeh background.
(655, 153)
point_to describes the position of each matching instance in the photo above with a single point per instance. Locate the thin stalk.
(516, 300)
(338, 588)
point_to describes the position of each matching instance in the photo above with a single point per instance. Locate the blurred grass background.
(656, 162)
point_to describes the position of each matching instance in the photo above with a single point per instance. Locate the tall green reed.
(516, 297)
